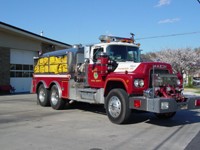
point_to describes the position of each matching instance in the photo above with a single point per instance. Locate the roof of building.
(14, 29)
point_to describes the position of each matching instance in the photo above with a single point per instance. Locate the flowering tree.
(182, 60)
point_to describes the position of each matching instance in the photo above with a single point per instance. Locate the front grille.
(156, 71)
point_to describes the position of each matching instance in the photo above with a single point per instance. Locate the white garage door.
(21, 69)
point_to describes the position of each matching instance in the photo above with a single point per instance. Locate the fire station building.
(17, 49)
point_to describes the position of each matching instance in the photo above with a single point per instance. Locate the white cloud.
(169, 20)
(163, 2)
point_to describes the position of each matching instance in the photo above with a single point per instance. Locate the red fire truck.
(112, 74)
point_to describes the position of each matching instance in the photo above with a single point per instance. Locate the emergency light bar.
(108, 39)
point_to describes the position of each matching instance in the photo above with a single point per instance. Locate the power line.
(169, 35)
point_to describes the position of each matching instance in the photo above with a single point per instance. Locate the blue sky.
(83, 21)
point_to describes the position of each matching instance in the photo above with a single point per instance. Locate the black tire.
(56, 102)
(165, 115)
(117, 106)
(43, 96)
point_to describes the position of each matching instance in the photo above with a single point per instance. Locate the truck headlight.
(141, 83)
(138, 83)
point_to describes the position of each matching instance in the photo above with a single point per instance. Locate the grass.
(192, 89)
(198, 92)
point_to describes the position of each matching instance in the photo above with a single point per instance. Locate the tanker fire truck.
(110, 73)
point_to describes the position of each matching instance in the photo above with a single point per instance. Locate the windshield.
(123, 53)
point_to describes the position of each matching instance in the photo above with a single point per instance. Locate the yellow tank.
(51, 64)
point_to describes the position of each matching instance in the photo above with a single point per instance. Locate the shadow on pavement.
(181, 117)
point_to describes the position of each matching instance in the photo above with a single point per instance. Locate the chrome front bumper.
(163, 105)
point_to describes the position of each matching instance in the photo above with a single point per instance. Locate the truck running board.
(90, 95)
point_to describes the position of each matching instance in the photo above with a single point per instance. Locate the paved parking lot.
(24, 125)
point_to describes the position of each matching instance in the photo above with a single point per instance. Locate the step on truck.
(110, 73)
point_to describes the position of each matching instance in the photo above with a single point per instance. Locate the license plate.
(183, 106)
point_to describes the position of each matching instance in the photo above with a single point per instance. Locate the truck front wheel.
(43, 96)
(56, 102)
(117, 106)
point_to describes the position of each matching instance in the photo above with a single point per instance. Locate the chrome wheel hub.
(54, 97)
(42, 96)
(114, 106)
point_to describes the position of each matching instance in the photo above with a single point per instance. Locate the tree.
(183, 60)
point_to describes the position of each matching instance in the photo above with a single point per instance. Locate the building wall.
(11, 41)
(47, 48)
(18, 42)
(15, 41)
(5, 66)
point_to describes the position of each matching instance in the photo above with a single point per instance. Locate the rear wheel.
(43, 96)
(165, 115)
(117, 106)
(56, 102)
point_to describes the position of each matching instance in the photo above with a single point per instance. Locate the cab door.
(94, 78)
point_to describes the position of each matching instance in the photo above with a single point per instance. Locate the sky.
(83, 21)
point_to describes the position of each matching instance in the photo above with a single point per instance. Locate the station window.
(21, 70)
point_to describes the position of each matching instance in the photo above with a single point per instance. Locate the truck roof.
(61, 52)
